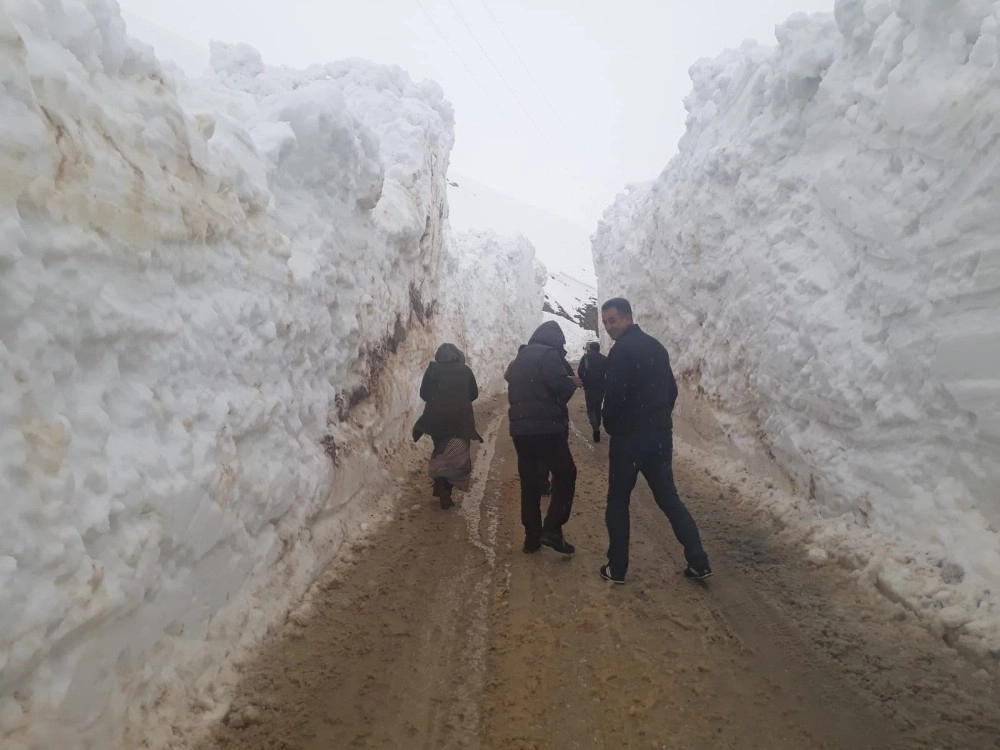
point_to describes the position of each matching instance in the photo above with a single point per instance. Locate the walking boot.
(445, 496)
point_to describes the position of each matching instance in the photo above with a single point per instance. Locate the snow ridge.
(820, 258)
(216, 301)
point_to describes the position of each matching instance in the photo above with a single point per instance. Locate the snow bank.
(216, 301)
(491, 300)
(821, 259)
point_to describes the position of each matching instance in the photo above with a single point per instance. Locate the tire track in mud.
(441, 633)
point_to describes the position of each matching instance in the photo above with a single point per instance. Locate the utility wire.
(523, 64)
(476, 78)
(470, 71)
(497, 70)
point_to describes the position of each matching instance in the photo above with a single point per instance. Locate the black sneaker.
(531, 545)
(606, 575)
(699, 574)
(556, 542)
(597, 436)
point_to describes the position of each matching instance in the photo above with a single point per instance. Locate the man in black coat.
(638, 403)
(539, 389)
(593, 371)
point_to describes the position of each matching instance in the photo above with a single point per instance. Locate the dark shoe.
(445, 495)
(699, 574)
(531, 544)
(597, 436)
(606, 575)
(556, 542)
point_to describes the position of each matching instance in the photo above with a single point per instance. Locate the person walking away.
(448, 388)
(539, 389)
(638, 403)
(593, 371)
(546, 481)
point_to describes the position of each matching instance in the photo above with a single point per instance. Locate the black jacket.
(641, 389)
(593, 371)
(540, 385)
(449, 388)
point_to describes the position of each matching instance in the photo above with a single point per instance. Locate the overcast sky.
(559, 103)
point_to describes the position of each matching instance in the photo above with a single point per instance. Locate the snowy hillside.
(571, 299)
(821, 259)
(216, 302)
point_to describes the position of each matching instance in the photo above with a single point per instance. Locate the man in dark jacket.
(593, 371)
(538, 392)
(638, 402)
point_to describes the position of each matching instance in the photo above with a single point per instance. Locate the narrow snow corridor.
(440, 633)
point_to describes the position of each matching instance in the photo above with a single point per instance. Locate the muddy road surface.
(439, 632)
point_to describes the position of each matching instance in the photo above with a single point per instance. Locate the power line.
(482, 86)
(469, 70)
(452, 47)
(523, 64)
(497, 70)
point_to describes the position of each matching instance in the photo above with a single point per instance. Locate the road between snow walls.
(217, 298)
(820, 260)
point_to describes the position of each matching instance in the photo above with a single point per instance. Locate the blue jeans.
(649, 452)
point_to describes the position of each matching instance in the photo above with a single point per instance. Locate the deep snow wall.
(821, 259)
(491, 301)
(216, 300)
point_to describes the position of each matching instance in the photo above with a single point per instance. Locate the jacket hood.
(449, 353)
(549, 334)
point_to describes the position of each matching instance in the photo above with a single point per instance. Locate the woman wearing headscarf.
(448, 388)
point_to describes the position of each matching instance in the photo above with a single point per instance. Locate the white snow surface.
(492, 300)
(570, 298)
(576, 338)
(208, 290)
(821, 260)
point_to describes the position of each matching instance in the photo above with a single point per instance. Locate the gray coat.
(540, 385)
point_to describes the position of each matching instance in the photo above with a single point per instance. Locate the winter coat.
(593, 371)
(540, 385)
(449, 388)
(641, 389)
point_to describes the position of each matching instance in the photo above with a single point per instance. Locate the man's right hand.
(576, 381)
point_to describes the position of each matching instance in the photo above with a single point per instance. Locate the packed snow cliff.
(216, 301)
(821, 258)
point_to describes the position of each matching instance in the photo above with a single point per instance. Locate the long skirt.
(451, 460)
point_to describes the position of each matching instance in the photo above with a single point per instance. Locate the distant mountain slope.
(571, 299)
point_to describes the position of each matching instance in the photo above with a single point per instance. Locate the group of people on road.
(631, 392)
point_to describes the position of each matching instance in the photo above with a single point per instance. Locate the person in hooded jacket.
(448, 388)
(540, 385)
(593, 371)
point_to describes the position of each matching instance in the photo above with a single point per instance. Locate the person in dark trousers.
(638, 403)
(448, 388)
(539, 389)
(593, 371)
